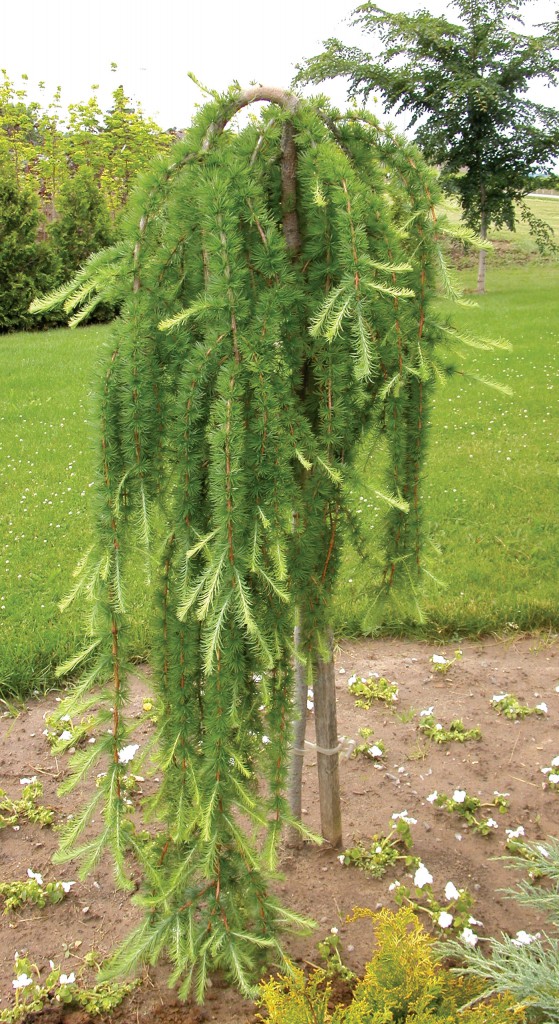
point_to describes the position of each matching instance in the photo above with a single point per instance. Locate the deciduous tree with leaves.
(463, 85)
(275, 287)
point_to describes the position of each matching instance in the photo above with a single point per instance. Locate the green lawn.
(518, 244)
(44, 478)
(491, 487)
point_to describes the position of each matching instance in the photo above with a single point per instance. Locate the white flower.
(451, 892)
(438, 726)
(543, 851)
(491, 823)
(67, 979)
(523, 938)
(469, 937)
(393, 885)
(404, 817)
(422, 876)
(445, 919)
(352, 680)
(66, 886)
(459, 796)
(65, 736)
(427, 711)
(432, 797)
(542, 707)
(514, 833)
(266, 740)
(341, 858)
(375, 751)
(497, 697)
(473, 920)
(35, 874)
(22, 981)
(555, 762)
(438, 659)
(333, 931)
(553, 778)
(29, 782)
(127, 753)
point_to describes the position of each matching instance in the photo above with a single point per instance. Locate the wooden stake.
(327, 749)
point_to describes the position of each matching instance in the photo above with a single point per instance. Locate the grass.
(490, 493)
(491, 481)
(46, 459)
(517, 245)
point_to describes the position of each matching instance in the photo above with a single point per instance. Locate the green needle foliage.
(275, 289)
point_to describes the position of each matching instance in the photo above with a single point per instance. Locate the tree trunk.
(295, 779)
(482, 255)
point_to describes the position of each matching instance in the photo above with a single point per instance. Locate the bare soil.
(508, 758)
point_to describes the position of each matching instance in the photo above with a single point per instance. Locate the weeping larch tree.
(275, 289)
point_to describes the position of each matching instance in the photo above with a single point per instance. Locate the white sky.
(156, 42)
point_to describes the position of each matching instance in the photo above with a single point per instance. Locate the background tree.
(82, 225)
(53, 157)
(127, 144)
(463, 85)
(25, 264)
(18, 129)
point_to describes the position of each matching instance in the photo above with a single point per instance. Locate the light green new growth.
(275, 290)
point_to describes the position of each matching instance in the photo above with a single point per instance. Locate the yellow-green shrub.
(403, 982)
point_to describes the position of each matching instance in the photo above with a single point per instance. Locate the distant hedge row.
(64, 180)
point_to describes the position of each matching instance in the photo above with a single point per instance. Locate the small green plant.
(16, 894)
(442, 664)
(454, 914)
(531, 854)
(469, 806)
(456, 732)
(368, 690)
(404, 982)
(508, 705)
(12, 812)
(405, 715)
(33, 993)
(384, 850)
(62, 733)
(373, 749)
(330, 951)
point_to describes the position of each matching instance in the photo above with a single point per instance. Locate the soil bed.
(508, 758)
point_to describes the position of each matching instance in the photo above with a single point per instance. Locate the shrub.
(403, 982)
(526, 965)
(83, 224)
(25, 264)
